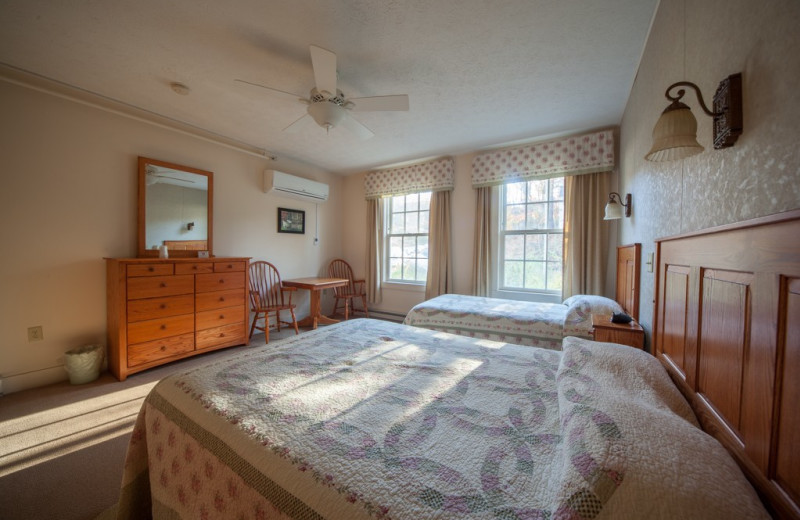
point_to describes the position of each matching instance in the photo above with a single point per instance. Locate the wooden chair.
(338, 268)
(267, 295)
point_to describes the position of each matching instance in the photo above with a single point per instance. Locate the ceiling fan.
(328, 106)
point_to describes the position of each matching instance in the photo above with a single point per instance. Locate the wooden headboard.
(186, 245)
(726, 326)
(629, 259)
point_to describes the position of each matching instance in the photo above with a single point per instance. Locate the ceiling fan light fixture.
(327, 115)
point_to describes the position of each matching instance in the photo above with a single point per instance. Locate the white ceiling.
(478, 73)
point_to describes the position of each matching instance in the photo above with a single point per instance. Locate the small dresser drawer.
(150, 351)
(141, 331)
(219, 281)
(221, 336)
(149, 269)
(152, 308)
(225, 267)
(219, 317)
(194, 268)
(219, 299)
(158, 286)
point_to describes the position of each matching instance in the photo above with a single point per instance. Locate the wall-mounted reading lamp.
(675, 133)
(615, 205)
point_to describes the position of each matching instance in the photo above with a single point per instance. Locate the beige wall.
(704, 41)
(68, 199)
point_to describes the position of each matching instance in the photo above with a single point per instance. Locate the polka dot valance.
(435, 175)
(575, 155)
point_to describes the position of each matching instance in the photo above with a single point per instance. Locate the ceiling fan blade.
(380, 103)
(324, 63)
(175, 179)
(281, 93)
(298, 125)
(358, 128)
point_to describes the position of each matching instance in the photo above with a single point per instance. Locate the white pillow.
(593, 304)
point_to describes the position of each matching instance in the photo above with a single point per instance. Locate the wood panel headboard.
(629, 259)
(726, 326)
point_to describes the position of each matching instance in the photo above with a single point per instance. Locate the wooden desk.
(316, 286)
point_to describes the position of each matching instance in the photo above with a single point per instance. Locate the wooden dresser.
(163, 310)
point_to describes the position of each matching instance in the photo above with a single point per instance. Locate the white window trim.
(390, 283)
(495, 287)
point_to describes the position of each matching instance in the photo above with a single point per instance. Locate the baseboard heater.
(388, 316)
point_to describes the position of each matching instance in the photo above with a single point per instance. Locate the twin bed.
(369, 419)
(534, 324)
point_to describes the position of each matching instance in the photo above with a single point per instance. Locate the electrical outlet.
(35, 333)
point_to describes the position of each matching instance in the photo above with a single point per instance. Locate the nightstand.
(630, 334)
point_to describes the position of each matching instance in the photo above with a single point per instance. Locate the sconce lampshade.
(675, 135)
(613, 210)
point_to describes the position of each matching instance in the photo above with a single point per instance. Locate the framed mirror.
(175, 209)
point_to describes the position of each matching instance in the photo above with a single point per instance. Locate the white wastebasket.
(83, 363)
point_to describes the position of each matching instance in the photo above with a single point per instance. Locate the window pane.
(396, 247)
(422, 247)
(409, 246)
(425, 200)
(398, 204)
(557, 215)
(412, 202)
(515, 247)
(398, 223)
(515, 217)
(535, 275)
(557, 189)
(537, 216)
(537, 191)
(395, 269)
(555, 246)
(424, 225)
(411, 222)
(512, 274)
(515, 193)
(408, 270)
(553, 276)
(534, 247)
(422, 270)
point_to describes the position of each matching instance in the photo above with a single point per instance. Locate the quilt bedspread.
(369, 419)
(524, 323)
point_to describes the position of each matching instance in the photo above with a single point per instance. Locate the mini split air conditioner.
(285, 185)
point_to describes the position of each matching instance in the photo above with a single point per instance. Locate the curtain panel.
(374, 249)
(589, 153)
(435, 175)
(440, 262)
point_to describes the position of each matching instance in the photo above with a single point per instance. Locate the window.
(407, 238)
(531, 235)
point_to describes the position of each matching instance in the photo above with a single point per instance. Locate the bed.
(530, 323)
(368, 419)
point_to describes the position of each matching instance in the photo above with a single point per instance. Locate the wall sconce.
(615, 205)
(675, 133)
(190, 226)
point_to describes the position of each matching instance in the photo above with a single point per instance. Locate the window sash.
(412, 260)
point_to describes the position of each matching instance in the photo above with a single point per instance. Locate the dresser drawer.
(221, 336)
(150, 351)
(224, 267)
(219, 281)
(141, 331)
(158, 286)
(219, 299)
(194, 268)
(152, 308)
(219, 317)
(150, 269)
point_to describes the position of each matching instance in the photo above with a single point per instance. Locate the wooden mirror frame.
(142, 250)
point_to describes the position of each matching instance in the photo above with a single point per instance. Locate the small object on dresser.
(163, 252)
(620, 317)
(202, 254)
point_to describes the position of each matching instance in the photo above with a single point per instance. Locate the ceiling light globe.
(675, 135)
(326, 114)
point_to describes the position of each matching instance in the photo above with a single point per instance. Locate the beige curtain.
(481, 267)
(374, 249)
(585, 234)
(440, 263)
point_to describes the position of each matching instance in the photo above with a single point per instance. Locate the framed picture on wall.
(291, 221)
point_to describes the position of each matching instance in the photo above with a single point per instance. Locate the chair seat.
(276, 308)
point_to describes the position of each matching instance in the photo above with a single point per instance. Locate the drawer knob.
(163, 306)
(221, 335)
(151, 269)
(163, 284)
(221, 280)
(222, 298)
(222, 316)
(194, 267)
(163, 348)
(163, 327)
